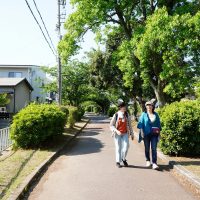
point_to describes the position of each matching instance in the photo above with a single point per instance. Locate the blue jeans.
(121, 147)
(153, 141)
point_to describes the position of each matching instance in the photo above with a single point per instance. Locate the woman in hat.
(150, 126)
(121, 129)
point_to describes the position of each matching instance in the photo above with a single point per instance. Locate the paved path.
(87, 171)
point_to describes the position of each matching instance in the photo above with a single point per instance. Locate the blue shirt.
(146, 125)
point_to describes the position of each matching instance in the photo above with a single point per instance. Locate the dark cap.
(121, 104)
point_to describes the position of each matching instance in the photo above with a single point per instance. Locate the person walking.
(150, 127)
(121, 128)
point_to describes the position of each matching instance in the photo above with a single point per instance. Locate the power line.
(40, 27)
(44, 25)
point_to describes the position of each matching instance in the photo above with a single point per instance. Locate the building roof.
(12, 82)
(18, 66)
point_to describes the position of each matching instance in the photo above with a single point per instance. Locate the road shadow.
(137, 167)
(84, 145)
(93, 129)
(100, 122)
(162, 168)
(90, 133)
(186, 163)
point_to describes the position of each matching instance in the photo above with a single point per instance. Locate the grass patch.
(19, 164)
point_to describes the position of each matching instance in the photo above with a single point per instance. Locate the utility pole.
(63, 4)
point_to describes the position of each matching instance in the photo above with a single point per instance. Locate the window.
(15, 74)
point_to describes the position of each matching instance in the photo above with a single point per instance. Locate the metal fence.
(5, 140)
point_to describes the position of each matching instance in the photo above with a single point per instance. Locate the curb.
(191, 178)
(26, 184)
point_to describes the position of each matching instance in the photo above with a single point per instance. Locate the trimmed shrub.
(81, 112)
(181, 128)
(91, 106)
(73, 116)
(35, 124)
(112, 111)
(65, 110)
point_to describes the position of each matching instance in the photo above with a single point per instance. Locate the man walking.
(121, 128)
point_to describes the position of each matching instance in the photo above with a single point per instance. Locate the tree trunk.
(160, 97)
(158, 90)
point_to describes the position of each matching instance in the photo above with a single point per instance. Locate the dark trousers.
(151, 140)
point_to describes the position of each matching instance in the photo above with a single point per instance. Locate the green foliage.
(180, 128)
(65, 110)
(156, 49)
(112, 111)
(167, 48)
(81, 112)
(197, 88)
(37, 123)
(89, 105)
(74, 115)
(75, 78)
(4, 99)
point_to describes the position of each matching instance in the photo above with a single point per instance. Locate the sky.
(21, 41)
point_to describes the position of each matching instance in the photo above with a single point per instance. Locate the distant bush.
(91, 106)
(35, 124)
(65, 110)
(112, 111)
(81, 112)
(75, 114)
(181, 128)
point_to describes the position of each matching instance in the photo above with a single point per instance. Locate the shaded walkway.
(87, 171)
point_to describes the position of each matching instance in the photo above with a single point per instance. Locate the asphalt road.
(87, 171)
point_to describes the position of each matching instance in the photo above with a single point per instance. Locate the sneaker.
(148, 164)
(155, 166)
(125, 163)
(118, 165)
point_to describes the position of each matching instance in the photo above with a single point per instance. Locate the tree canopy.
(151, 46)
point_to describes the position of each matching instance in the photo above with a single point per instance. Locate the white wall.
(4, 72)
(31, 73)
(38, 74)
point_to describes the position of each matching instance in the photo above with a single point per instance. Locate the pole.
(59, 60)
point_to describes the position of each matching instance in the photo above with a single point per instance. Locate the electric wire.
(44, 25)
(40, 27)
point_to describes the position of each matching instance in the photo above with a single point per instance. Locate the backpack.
(116, 115)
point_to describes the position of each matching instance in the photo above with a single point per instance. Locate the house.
(33, 73)
(19, 92)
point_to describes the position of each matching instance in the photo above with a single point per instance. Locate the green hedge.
(75, 114)
(181, 128)
(65, 110)
(81, 112)
(35, 124)
(112, 111)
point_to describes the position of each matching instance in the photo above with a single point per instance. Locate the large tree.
(168, 50)
(125, 15)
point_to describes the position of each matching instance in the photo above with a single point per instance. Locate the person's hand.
(118, 132)
(132, 137)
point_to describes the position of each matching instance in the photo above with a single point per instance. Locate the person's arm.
(141, 122)
(113, 125)
(130, 127)
(159, 124)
